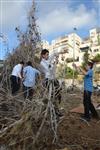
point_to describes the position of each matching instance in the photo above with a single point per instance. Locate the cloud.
(54, 17)
(65, 18)
(13, 13)
(96, 4)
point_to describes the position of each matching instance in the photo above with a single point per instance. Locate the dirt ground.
(77, 134)
(73, 133)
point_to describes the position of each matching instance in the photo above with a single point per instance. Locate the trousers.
(88, 106)
(56, 89)
(15, 84)
(28, 92)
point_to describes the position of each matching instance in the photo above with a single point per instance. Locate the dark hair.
(29, 63)
(22, 62)
(91, 64)
(44, 51)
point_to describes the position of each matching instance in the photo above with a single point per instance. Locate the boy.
(16, 77)
(48, 66)
(88, 89)
(29, 74)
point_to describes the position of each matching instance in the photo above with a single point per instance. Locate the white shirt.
(30, 76)
(17, 70)
(48, 67)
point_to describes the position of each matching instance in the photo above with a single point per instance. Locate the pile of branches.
(25, 123)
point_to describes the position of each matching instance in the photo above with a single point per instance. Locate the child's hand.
(74, 65)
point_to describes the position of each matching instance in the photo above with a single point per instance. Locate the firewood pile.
(22, 121)
(25, 123)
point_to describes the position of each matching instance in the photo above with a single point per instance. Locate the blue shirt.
(88, 81)
(30, 76)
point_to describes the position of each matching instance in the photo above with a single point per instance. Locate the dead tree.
(28, 48)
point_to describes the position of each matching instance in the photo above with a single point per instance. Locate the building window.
(96, 50)
(77, 44)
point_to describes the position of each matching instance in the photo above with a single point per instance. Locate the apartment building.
(45, 44)
(95, 41)
(70, 43)
(60, 43)
(75, 46)
(92, 43)
(95, 36)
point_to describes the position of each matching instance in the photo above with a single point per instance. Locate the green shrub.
(66, 72)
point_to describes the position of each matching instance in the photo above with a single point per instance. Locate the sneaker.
(59, 114)
(59, 118)
(85, 119)
(98, 106)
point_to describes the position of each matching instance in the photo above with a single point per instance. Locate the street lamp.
(73, 55)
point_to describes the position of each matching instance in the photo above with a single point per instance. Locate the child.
(16, 77)
(48, 66)
(88, 89)
(29, 74)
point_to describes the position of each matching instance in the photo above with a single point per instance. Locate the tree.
(29, 41)
(85, 59)
(98, 37)
(28, 48)
(97, 58)
(66, 72)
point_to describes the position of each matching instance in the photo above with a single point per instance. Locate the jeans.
(88, 106)
(56, 89)
(28, 92)
(15, 84)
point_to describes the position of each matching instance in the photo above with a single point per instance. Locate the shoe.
(98, 106)
(85, 119)
(59, 114)
(59, 118)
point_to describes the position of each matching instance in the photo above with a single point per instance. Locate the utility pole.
(73, 55)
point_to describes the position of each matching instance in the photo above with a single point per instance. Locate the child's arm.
(83, 71)
(79, 69)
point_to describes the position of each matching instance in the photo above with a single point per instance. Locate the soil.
(73, 133)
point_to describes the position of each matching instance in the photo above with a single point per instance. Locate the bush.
(69, 73)
(97, 58)
(66, 72)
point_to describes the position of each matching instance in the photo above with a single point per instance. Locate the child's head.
(22, 63)
(89, 65)
(45, 54)
(29, 63)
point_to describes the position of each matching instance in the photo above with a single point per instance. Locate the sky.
(54, 17)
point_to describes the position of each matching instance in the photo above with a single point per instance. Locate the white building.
(70, 43)
(75, 46)
(45, 44)
(94, 35)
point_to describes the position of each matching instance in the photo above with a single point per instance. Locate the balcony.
(84, 49)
